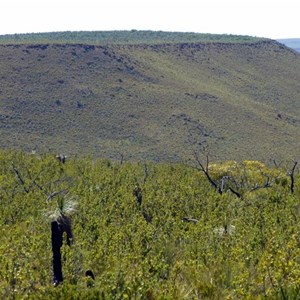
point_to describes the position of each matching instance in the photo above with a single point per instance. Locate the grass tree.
(60, 224)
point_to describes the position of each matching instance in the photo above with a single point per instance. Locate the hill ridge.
(120, 37)
(154, 102)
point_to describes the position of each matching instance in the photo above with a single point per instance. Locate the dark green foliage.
(236, 249)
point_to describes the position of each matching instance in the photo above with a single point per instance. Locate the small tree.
(61, 222)
(292, 176)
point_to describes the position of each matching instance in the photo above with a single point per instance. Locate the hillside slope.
(152, 101)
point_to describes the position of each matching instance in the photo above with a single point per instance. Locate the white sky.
(262, 18)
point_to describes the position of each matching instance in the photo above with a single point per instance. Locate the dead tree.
(33, 182)
(218, 187)
(267, 184)
(204, 169)
(231, 184)
(292, 176)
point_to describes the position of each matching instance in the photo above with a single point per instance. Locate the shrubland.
(183, 240)
(122, 37)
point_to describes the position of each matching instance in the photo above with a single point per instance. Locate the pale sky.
(262, 18)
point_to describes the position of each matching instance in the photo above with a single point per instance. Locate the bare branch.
(122, 158)
(190, 220)
(221, 187)
(32, 183)
(56, 193)
(21, 179)
(276, 164)
(230, 188)
(235, 193)
(207, 162)
(39, 186)
(146, 172)
(205, 171)
(292, 175)
(266, 185)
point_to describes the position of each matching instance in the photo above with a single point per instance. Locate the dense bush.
(232, 249)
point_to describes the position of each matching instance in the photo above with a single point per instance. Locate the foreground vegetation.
(182, 239)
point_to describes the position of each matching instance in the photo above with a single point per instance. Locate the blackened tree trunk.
(56, 238)
(137, 192)
(64, 224)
